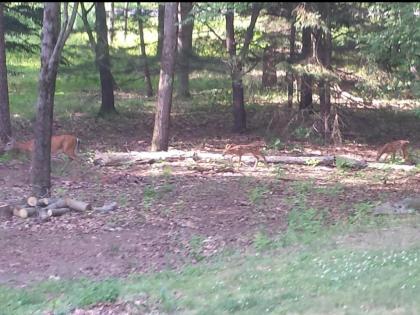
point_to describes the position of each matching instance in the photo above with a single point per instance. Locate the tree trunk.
(306, 80)
(103, 60)
(324, 52)
(269, 75)
(112, 22)
(52, 42)
(238, 107)
(160, 141)
(289, 74)
(5, 125)
(161, 26)
(184, 48)
(41, 155)
(149, 88)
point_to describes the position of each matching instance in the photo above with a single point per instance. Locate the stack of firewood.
(49, 207)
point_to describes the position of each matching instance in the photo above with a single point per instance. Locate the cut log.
(57, 212)
(106, 208)
(60, 203)
(43, 214)
(27, 212)
(43, 202)
(77, 205)
(32, 201)
(6, 211)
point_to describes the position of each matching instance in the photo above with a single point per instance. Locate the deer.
(66, 144)
(242, 149)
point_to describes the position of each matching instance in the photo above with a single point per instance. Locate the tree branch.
(256, 8)
(65, 31)
(87, 27)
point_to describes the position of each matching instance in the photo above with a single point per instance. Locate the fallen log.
(57, 212)
(77, 205)
(122, 158)
(26, 212)
(6, 211)
(114, 159)
(60, 203)
(32, 201)
(106, 208)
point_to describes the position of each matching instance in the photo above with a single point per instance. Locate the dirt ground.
(169, 214)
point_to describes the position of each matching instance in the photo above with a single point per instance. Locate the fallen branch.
(57, 212)
(106, 208)
(60, 203)
(77, 205)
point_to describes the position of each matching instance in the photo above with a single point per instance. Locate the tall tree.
(149, 88)
(306, 79)
(323, 53)
(101, 49)
(160, 141)
(289, 74)
(236, 64)
(161, 26)
(186, 25)
(53, 40)
(5, 125)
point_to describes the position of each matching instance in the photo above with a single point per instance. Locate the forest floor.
(170, 215)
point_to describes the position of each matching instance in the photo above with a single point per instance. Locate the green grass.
(322, 278)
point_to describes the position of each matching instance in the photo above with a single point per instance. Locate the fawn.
(242, 149)
(393, 148)
(66, 144)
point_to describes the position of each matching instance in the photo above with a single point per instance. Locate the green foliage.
(196, 247)
(23, 22)
(362, 214)
(395, 43)
(262, 241)
(256, 194)
(149, 195)
(107, 291)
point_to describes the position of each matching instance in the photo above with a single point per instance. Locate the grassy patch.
(320, 279)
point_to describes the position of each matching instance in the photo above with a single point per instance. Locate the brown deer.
(393, 148)
(242, 149)
(66, 144)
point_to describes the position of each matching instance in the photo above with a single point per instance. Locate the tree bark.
(160, 141)
(149, 88)
(52, 43)
(238, 106)
(161, 26)
(103, 60)
(236, 62)
(5, 124)
(306, 80)
(184, 47)
(289, 74)
(41, 158)
(324, 52)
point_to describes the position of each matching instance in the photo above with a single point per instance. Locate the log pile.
(45, 208)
